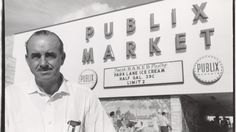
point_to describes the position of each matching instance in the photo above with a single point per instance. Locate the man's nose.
(43, 62)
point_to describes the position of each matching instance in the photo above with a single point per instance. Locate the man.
(164, 122)
(49, 102)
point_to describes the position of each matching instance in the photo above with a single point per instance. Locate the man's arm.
(96, 119)
(168, 123)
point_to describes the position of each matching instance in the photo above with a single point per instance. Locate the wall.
(176, 114)
(191, 115)
(10, 61)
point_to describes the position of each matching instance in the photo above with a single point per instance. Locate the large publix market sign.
(150, 73)
(199, 15)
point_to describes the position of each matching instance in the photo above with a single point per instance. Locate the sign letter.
(206, 33)
(199, 14)
(108, 54)
(108, 35)
(153, 27)
(153, 48)
(130, 26)
(89, 33)
(130, 49)
(180, 41)
(173, 17)
(88, 56)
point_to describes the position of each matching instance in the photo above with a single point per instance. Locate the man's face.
(44, 58)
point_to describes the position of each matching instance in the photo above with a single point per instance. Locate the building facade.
(169, 56)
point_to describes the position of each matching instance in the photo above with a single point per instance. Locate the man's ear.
(27, 58)
(63, 58)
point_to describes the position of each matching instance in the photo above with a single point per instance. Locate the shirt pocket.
(74, 126)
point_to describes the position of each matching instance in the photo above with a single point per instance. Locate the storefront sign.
(88, 78)
(208, 69)
(144, 74)
(154, 50)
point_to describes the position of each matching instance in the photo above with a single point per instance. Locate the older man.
(49, 102)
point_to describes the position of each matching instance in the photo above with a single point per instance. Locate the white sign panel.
(144, 74)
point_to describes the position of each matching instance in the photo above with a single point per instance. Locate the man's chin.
(44, 78)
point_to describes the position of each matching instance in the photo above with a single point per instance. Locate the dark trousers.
(164, 129)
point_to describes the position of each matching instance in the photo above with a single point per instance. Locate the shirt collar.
(33, 88)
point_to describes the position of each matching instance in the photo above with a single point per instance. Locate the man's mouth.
(44, 70)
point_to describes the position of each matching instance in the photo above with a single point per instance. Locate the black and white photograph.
(118, 66)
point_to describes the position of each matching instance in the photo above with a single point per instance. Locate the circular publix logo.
(208, 69)
(88, 78)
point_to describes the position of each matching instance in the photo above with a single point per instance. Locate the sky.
(23, 15)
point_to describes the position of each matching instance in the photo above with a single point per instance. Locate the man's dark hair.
(45, 33)
(163, 113)
(112, 113)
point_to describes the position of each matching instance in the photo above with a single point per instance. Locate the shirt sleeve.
(96, 119)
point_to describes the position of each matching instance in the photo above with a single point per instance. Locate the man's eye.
(50, 55)
(35, 56)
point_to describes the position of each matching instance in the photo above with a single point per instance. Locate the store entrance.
(219, 123)
(217, 111)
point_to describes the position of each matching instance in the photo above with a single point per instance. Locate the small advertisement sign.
(208, 69)
(88, 78)
(144, 74)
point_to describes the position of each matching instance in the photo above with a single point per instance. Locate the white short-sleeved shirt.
(30, 110)
(163, 121)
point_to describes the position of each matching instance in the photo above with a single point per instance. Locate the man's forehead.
(43, 41)
(43, 44)
(44, 38)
